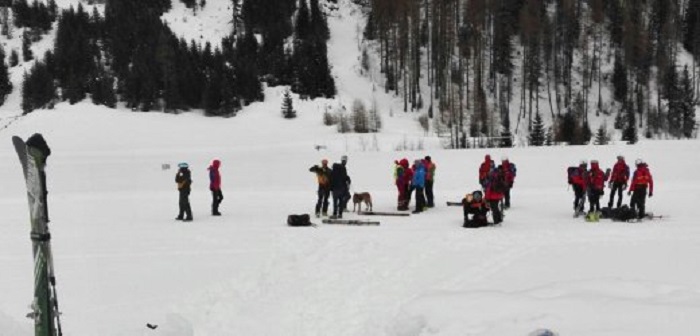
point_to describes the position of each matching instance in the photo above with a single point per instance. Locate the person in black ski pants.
(323, 175)
(184, 183)
(340, 182)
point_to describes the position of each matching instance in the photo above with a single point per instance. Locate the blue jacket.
(419, 176)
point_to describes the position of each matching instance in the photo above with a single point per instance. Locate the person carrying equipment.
(323, 176)
(577, 179)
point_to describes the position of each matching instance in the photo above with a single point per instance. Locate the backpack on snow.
(623, 214)
(299, 220)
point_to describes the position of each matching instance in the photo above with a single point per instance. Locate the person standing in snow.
(183, 178)
(418, 184)
(495, 189)
(323, 176)
(215, 187)
(429, 180)
(577, 179)
(486, 167)
(510, 171)
(618, 180)
(641, 180)
(596, 186)
(340, 187)
(402, 179)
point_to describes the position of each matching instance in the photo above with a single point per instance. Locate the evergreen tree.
(537, 136)
(629, 133)
(672, 92)
(691, 28)
(586, 133)
(14, 58)
(38, 90)
(5, 83)
(601, 136)
(287, 106)
(506, 136)
(687, 106)
(26, 47)
(619, 79)
(359, 117)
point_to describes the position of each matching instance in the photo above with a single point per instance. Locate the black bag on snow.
(299, 220)
(606, 212)
(623, 214)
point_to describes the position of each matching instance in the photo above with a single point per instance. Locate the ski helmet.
(183, 165)
(583, 163)
(639, 162)
(477, 195)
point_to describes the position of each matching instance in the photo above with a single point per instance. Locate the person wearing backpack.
(618, 180)
(577, 179)
(340, 185)
(402, 178)
(495, 189)
(486, 167)
(215, 187)
(418, 184)
(596, 186)
(509, 171)
(323, 177)
(474, 204)
(641, 181)
(183, 178)
(429, 180)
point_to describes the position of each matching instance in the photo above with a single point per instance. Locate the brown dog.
(359, 198)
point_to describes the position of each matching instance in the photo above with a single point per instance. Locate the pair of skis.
(32, 155)
(364, 222)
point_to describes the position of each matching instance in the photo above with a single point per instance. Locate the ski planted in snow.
(349, 222)
(33, 155)
(379, 213)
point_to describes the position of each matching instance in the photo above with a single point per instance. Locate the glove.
(651, 194)
(629, 193)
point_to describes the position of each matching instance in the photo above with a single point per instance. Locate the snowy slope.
(122, 260)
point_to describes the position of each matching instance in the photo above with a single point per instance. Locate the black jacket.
(339, 177)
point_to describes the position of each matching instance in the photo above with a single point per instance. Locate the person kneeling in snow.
(474, 204)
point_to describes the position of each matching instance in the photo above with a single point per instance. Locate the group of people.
(496, 183)
(494, 196)
(333, 181)
(591, 183)
(183, 179)
(418, 178)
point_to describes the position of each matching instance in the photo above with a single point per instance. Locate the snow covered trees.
(485, 59)
(288, 111)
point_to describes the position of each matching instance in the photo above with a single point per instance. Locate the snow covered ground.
(123, 261)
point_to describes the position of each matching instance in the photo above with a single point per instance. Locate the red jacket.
(485, 168)
(581, 178)
(508, 170)
(214, 175)
(491, 193)
(596, 177)
(642, 178)
(620, 172)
